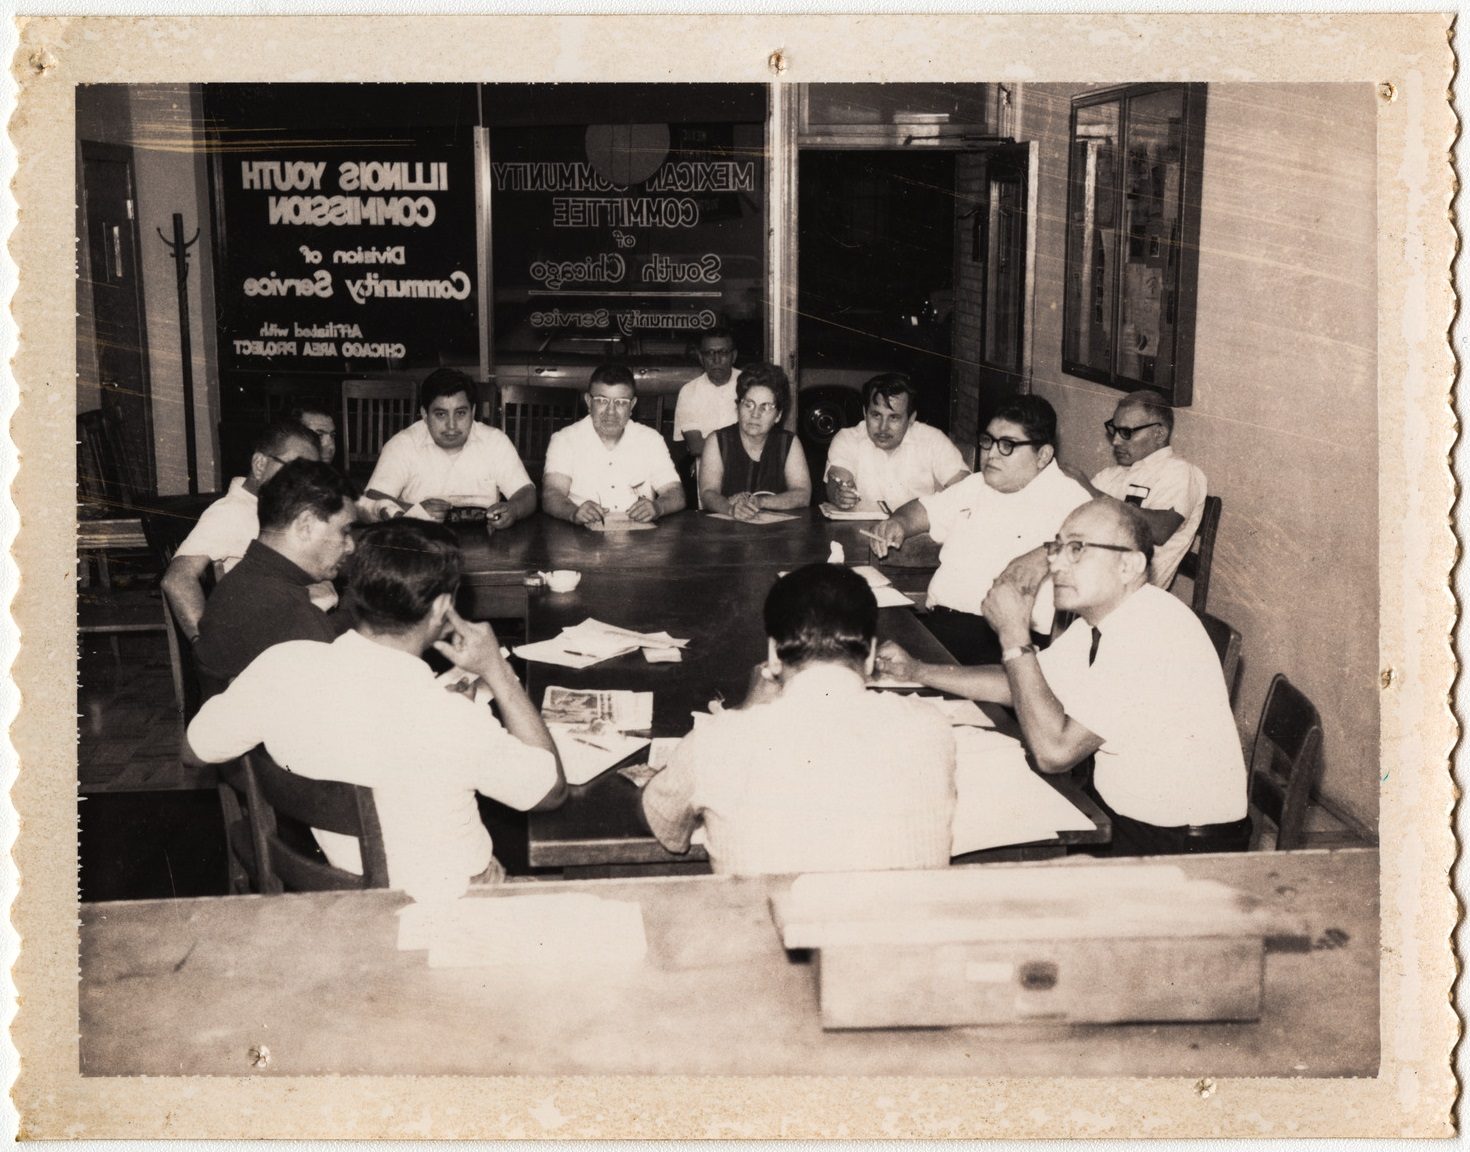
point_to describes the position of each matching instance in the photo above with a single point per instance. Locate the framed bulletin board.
(1135, 168)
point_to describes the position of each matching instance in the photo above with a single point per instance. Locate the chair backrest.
(1285, 761)
(530, 415)
(1227, 647)
(1195, 563)
(104, 470)
(373, 411)
(330, 805)
(165, 528)
(656, 409)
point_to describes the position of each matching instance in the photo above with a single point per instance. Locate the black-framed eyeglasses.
(1073, 549)
(1125, 433)
(1003, 444)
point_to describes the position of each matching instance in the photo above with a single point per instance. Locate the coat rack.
(179, 248)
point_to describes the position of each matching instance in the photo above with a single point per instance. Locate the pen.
(872, 536)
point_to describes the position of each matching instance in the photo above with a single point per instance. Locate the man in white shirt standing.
(605, 468)
(449, 457)
(813, 773)
(890, 458)
(231, 523)
(707, 403)
(1134, 681)
(366, 709)
(1168, 491)
(1015, 503)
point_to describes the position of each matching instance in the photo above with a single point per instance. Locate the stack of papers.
(549, 933)
(832, 512)
(1000, 800)
(591, 642)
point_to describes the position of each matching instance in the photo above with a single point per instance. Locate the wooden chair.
(1227, 646)
(1196, 562)
(373, 411)
(1284, 764)
(530, 415)
(330, 805)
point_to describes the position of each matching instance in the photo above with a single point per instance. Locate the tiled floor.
(128, 729)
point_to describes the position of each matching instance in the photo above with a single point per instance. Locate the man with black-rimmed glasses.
(1013, 504)
(1134, 682)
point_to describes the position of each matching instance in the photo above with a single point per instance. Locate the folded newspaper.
(623, 710)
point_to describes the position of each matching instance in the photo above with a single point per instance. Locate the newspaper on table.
(624, 710)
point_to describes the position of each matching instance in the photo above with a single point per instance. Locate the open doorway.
(875, 281)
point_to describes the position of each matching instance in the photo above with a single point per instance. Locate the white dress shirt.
(982, 530)
(413, 468)
(1161, 480)
(363, 713)
(1155, 694)
(226, 528)
(704, 406)
(637, 465)
(921, 464)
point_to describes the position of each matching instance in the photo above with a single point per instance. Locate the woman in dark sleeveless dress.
(755, 464)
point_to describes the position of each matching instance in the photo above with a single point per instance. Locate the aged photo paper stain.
(1321, 351)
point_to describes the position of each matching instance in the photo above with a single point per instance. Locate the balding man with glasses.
(1134, 682)
(605, 468)
(1168, 491)
(1014, 503)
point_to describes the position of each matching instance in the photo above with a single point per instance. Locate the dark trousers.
(1135, 838)
(965, 636)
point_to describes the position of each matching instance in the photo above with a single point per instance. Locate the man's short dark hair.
(1037, 418)
(312, 408)
(770, 376)
(1154, 404)
(613, 374)
(399, 569)
(718, 332)
(822, 612)
(890, 386)
(273, 441)
(303, 486)
(447, 382)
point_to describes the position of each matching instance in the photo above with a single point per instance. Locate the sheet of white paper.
(763, 517)
(999, 799)
(586, 755)
(661, 748)
(663, 655)
(832, 512)
(891, 598)
(553, 652)
(874, 578)
(597, 632)
(615, 524)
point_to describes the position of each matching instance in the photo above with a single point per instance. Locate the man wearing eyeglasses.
(228, 525)
(605, 468)
(1016, 501)
(1168, 491)
(1134, 682)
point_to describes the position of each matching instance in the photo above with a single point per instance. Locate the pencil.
(872, 536)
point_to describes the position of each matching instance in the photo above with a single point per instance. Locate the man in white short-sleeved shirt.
(890, 458)
(228, 525)
(449, 458)
(605, 468)
(1016, 501)
(1134, 681)
(365, 709)
(812, 773)
(707, 403)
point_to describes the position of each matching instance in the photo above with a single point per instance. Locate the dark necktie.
(1092, 652)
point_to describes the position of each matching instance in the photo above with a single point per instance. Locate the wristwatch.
(1009, 654)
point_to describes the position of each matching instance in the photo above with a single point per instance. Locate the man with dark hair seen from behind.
(231, 522)
(448, 456)
(813, 773)
(605, 468)
(307, 510)
(1134, 681)
(424, 750)
(890, 458)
